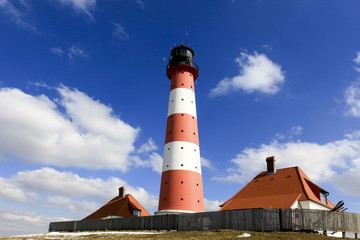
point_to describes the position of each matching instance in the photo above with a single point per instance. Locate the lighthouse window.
(181, 199)
(194, 133)
(182, 182)
(197, 184)
(194, 150)
(172, 100)
(164, 199)
(182, 72)
(169, 131)
(167, 165)
(182, 130)
(168, 148)
(182, 84)
(182, 147)
(192, 101)
(193, 117)
(190, 74)
(182, 99)
(182, 114)
(195, 167)
(190, 86)
(182, 165)
(165, 182)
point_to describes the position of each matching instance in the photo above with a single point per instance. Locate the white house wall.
(308, 204)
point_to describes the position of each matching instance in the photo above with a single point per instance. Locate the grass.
(193, 235)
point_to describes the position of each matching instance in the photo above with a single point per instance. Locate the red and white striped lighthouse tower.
(181, 188)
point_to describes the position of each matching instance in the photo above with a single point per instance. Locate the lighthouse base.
(166, 212)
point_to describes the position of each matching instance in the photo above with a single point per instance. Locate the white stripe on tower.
(182, 100)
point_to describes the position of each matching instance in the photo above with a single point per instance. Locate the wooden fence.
(248, 219)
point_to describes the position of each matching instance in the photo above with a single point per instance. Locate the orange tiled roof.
(279, 190)
(118, 207)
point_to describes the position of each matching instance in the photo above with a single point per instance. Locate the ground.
(193, 235)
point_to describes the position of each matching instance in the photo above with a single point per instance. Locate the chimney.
(121, 191)
(270, 165)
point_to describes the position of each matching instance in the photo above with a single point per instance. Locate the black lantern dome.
(181, 56)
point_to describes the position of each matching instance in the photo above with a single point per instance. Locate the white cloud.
(76, 51)
(349, 180)
(206, 163)
(257, 73)
(336, 162)
(78, 208)
(18, 221)
(357, 61)
(297, 130)
(72, 52)
(119, 31)
(11, 192)
(57, 51)
(88, 135)
(148, 146)
(75, 194)
(294, 132)
(154, 161)
(18, 12)
(140, 3)
(211, 205)
(352, 99)
(266, 47)
(80, 6)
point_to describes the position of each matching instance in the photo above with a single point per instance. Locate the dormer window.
(323, 196)
(137, 212)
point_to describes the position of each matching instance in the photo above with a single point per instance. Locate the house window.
(136, 212)
(323, 197)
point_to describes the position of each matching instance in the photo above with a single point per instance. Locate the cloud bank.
(24, 221)
(335, 162)
(85, 134)
(76, 195)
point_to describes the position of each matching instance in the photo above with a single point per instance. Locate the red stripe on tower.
(181, 189)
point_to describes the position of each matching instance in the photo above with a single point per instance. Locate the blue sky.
(84, 94)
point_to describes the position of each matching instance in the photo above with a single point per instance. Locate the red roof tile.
(118, 207)
(278, 190)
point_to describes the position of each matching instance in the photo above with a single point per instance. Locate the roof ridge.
(299, 172)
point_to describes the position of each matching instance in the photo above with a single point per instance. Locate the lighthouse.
(181, 189)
